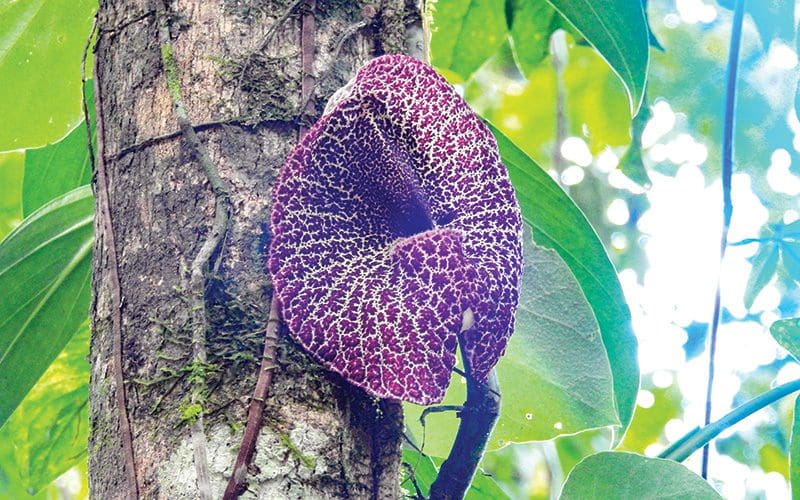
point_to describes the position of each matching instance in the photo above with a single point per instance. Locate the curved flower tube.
(397, 236)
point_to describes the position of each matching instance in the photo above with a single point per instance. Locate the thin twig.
(727, 205)
(236, 483)
(102, 193)
(200, 264)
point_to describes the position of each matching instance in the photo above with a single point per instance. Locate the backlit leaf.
(787, 333)
(41, 44)
(465, 33)
(532, 23)
(765, 263)
(618, 30)
(790, 251)
(50, 428)
(54, 169)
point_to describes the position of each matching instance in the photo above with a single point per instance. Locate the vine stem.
(681, 449)
(107, 224)
(201, 262)
(478, 417)
(254, 415)
(727, 204)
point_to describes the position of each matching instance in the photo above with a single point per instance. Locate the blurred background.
(657, 206)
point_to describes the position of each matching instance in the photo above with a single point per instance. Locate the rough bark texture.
(321, 438)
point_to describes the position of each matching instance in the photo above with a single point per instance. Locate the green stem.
(727, 204)
(699, 437)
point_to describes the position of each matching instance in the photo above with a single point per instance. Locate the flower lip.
(391, 218)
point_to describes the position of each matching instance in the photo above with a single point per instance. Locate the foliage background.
(654, 202)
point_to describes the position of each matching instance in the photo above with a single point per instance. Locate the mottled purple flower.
(395, 230)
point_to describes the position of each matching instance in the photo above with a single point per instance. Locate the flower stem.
(478, 416)
(727, 210)
(699, 437)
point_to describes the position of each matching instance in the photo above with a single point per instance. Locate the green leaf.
(41, 45)
(11, 166)
(790, 250)
(648, 424)
(794, 451)
(559, 224)
(556, 349)
(625, 475)
(423, 470)
(465, 33)
(417, 469)
(765, 263)
(589, 86)
(787, 333)
(45, 275)
(54, 169)
(618, 30)
(532, 23)
(632, 164)
(651, 36)
(50, 428)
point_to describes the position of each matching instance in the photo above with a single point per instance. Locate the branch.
(236, 483)
(681, 449)
(727, 204)
(102, 193)
(200, 264)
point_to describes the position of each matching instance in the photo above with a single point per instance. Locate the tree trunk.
(241, 76)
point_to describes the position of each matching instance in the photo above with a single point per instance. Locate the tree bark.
(320, 438)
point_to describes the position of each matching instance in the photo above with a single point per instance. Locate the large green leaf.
(618, 30)
(49, 430)
(41, 43)
(54, 169)
(465, 34)
(556, 349)
(45, 275)
(622, 475)
(11, 165)
(559, 224)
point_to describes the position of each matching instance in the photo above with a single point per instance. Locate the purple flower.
(395, 230)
